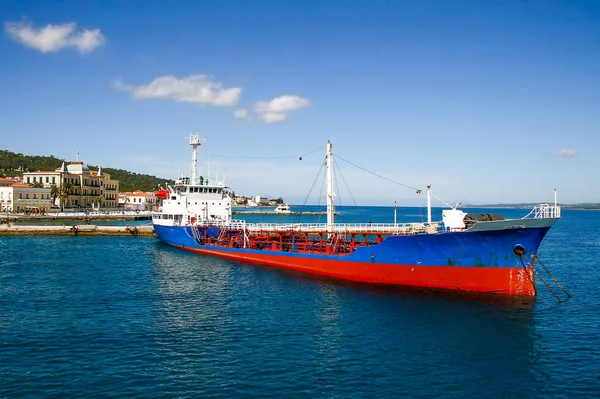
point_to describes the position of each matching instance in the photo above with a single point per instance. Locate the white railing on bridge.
(544, 211)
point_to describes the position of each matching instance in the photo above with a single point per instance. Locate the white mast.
(195, 142)
(555, 203)
(329, 171)
(429, 203)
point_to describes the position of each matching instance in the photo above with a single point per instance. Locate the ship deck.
(324, 228)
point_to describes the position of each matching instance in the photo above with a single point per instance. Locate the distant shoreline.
(466, 206)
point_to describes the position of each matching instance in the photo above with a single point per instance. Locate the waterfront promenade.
(76, 216)
(75, 223)
(15, 229)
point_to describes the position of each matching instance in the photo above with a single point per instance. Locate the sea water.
(131, 317)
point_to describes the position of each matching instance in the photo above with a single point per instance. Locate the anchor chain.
(525, 263)
(551, 275)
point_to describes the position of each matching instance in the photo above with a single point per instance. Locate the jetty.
(74, 217)
(75, 230)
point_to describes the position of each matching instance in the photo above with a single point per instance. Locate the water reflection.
(262, 326)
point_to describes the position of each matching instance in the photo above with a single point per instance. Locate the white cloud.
(273, 117)
(277, 109)
(195, 89)
(565, 153)
(241, 114)
(52, 38)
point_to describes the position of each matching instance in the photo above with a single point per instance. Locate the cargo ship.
(483, 252)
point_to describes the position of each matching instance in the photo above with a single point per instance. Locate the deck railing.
(319, 228)
(544, 211)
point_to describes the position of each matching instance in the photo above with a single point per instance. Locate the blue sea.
(126, 317)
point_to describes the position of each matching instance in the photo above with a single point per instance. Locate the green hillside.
(12, 164)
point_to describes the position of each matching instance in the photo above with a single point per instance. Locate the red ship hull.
(518, 281)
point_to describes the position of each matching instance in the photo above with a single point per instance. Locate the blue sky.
(489, 101)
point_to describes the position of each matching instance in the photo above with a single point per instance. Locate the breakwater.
(76, 229)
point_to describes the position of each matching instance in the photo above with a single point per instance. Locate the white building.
(89, 187)
(137, 200)
(261, 201)
(23, 198)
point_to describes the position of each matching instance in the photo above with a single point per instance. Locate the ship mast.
(195, 142)
(329, 171)
(429, 204)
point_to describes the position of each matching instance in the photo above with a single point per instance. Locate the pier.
(74, 217)
(76, 230)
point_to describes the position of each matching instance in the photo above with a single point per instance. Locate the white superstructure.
(194, 199)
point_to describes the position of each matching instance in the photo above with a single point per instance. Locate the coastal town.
(75, 188)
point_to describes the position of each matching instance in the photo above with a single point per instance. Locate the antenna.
(195, 142)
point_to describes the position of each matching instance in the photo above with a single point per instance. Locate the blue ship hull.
(493, 248)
